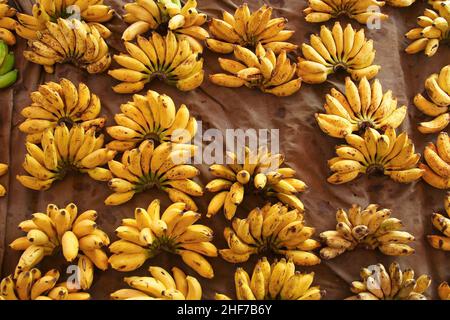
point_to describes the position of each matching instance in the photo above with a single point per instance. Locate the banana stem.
(375, 170)
(67, 121)
(155, 136)
(339, 66)
(162, 244)
(364, 125)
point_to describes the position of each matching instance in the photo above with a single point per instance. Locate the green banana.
(3, 51)
(8, 78)
(8, 63)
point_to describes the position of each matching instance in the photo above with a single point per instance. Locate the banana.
(233, 179)
(174, 231)
(62, 227)
(270, 228)
(394, 284)
(321, 11)
(440, 223)
(179, 62)
(70, 245)
(437, 87)
(161, 286)
(371, 228)
(351, 111)
(276, 281)
(392, 155)
(256, 70)
(338, 48)
(249, 29)
(433, 27)
(48, 162)
(197, 262)
(165, 164)
(67, 40)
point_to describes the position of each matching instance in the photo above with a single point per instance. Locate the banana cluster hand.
(7, 23)
(55, 103)
(164, 167)
(377, 154)
(442, 224)
(276, 281)
(63, 150)
(66, 229)
(437, 162)
(361, 10)
(167, 58)
(3, 171)
(33, 285)
(438, 91)
(434, 28)
(184, 20)
(247, 29)
(259, 171)
(393, 284)
(161, 285)
(8, 74)
(70, 41)
(363, 106)
(263, 69)
(444, 291)
(370, 228)
(271, 229)
(336, 49)
(153, 116)
(174, 231)
(93, 12)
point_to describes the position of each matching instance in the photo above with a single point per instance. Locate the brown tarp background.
(305, 146)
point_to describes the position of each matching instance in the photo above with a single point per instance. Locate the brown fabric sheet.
(305, 146)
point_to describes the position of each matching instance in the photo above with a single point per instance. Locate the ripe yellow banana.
(338, 48)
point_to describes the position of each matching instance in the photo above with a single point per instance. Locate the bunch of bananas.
(442, 224)
(66, 229)
(69, 41)
(361, 107)
(93, 12)
(276, 281)
(376, 154)
(371, 228)
(8, 74)
(393, 284)
(174, 231)
(184, 20)
(256, 171)
(262, 69)
(247, 29)
(337, 49)
(271, 229)
(437, 162)
(33, 285)
(3, 171)
(444, 291)
(363, 11)
(161, 285)
(438, 90)
(167, 58)
(7, 23)
(164, 167)
(153, 116)
(55, 103)
(434, 28)
(63, 150)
